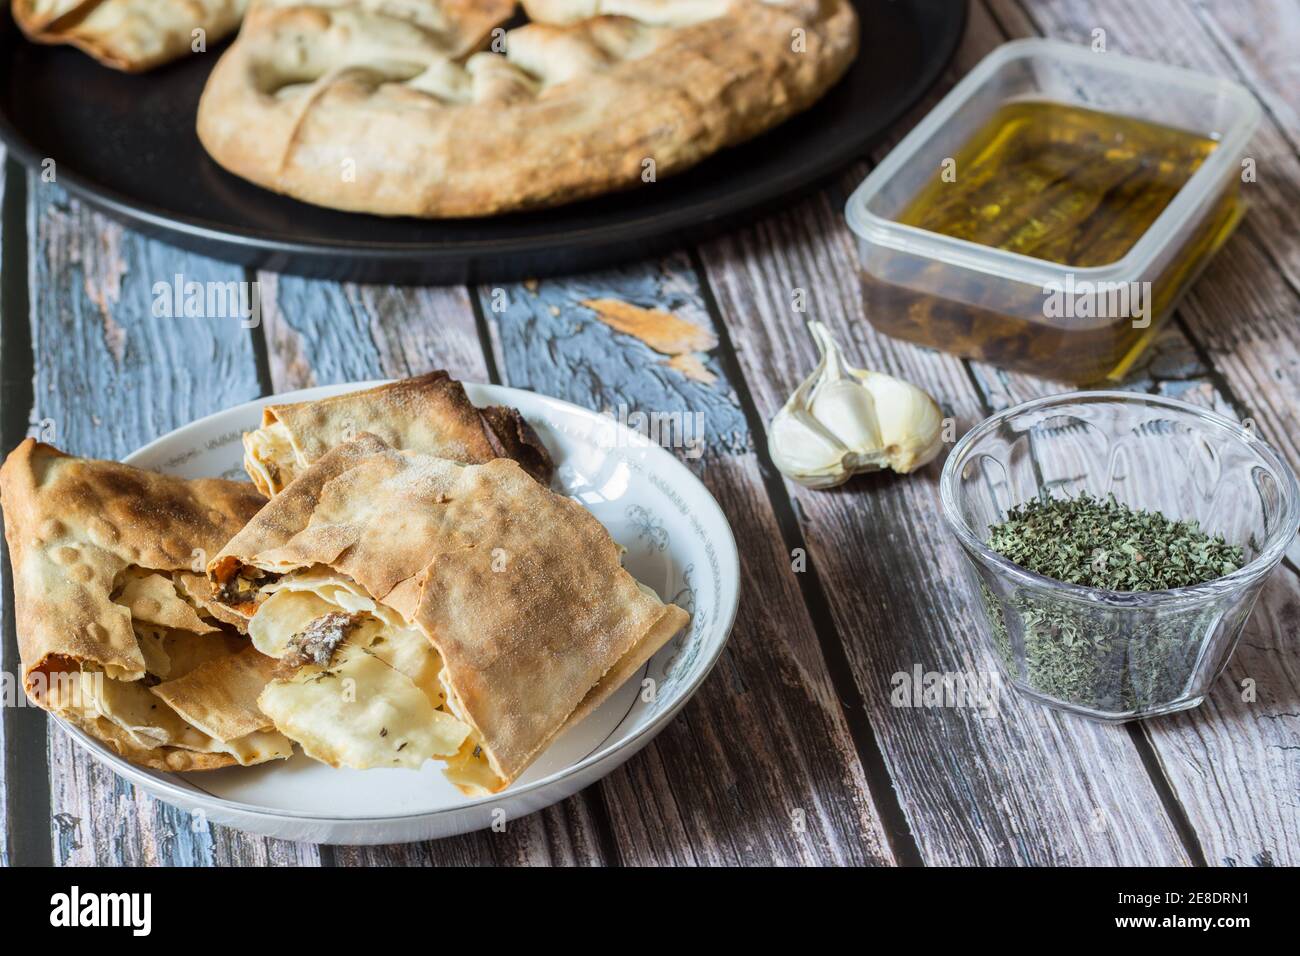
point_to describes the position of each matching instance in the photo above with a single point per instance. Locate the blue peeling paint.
(553, 344)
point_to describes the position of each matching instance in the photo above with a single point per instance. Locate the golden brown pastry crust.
(173, 759)
(128, 35)
(379, 116)
(520, 590)
(429, 413)
(74, 526)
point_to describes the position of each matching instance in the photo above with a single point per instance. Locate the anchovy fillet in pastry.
(108, 637)
(422, 609)
(366, 107)
(429, 414)
(129, 35)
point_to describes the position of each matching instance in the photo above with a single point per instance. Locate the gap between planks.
(26, 778)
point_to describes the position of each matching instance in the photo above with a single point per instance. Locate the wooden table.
(791, 752)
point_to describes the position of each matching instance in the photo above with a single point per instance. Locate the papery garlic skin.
(843, 421)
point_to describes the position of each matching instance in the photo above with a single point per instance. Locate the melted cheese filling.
(270, 458)
(381, 701)
(131, 705)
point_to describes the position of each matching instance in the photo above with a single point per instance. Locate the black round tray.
(126, 145)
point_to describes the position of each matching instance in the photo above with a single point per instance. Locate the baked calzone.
(112, 634)
(397, 109)
(421, 608)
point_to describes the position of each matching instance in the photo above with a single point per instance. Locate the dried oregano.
(1113, 660)
(1102, 543)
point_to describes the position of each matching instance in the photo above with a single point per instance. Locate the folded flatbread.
(425, 609)
(129, 35)
(104, 557)
(430, 414)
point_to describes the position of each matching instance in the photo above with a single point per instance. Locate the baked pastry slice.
(429, 414)
(106, 635)
(359, 107)
(129, 35)
(426, 609)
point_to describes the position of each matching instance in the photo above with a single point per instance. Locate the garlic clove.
(802, 448)
(842, 421)
(911, 423)
(847, 411)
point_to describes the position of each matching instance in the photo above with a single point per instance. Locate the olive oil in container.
(1050, 210)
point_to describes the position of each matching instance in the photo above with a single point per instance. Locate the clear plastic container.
(1027, 313)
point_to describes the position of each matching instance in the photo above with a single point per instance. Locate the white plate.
(677, 541)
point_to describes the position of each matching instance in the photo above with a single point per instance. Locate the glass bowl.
(1116, 655)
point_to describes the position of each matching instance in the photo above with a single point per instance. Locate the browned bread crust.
(429, 413)
(360, 107)
(128, 35)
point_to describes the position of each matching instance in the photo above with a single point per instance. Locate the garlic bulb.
(843, 420)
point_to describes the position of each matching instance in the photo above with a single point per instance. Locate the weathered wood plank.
(7, 667)
(561, 835)
(1175, 367)
(109, 377)
(1260, 38)
(1026, 786)
(1231, 764)
(323, 332)
(982, 35)
(760, 767)
(27, 780)
(1235, 763)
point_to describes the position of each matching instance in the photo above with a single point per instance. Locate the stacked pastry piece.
(117, 630)
(388, 606)
(130, 35)
(430, 414)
